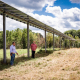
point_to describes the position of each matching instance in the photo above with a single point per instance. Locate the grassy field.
(20, 51)
(57, 65)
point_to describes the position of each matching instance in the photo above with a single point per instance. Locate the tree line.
(20, 38)
(64, 42)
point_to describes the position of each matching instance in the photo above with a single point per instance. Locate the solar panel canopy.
(18, 15)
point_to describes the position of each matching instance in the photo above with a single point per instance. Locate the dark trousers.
(33, 54)
(12, 59)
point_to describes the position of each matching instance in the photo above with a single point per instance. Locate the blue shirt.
(13, 49)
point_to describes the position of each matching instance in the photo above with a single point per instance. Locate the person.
(12, 53)
(33, 48)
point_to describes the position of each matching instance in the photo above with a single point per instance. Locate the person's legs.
(33, 54)
(12, 59)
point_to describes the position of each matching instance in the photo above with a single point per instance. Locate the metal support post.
(64, 43)
(60, 43)
(73, 44)
(53, 41)
(28, 39)
(45, 41)
(4, 37)
(69, 43)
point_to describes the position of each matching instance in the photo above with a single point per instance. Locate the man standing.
(33, 48)
(12, 53)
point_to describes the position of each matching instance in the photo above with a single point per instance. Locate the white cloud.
(31, 4)
(75, 1)
(56, 10)
(38, 31)
(68, 18)
(23, 9)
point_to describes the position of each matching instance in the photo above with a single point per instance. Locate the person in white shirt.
(12, 53)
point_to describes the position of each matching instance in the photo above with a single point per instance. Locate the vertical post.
(45, 41)
(78, 44)
(73, 44)
(53, 41)
(4, 37)
(69, 43)
(64, 43)
(60, 43)
(28, 39)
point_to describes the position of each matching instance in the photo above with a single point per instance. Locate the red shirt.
(33, 47)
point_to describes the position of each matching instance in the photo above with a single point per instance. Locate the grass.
(57, 65)
(20, 51)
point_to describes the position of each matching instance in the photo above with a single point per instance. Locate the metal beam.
(45, 41)
(4, 37)
(4, 7)
(21, 15)
(15, 13)
(11, 10)
(28, 39)
(2, 3)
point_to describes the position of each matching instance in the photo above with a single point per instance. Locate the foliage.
(20, 38)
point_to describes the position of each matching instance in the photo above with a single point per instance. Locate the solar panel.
(18, 15)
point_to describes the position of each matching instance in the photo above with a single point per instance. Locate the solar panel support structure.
(4, 37)
(69, 43)
(53, 41)
(64, 43)
(45, 41)
(78, 44)
(73, 44)
(28, 39)
(60, 43)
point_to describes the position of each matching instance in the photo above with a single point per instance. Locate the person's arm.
(16, 51)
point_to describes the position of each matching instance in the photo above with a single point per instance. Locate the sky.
(62, 15)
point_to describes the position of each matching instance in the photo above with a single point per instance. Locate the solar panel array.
(18, 15)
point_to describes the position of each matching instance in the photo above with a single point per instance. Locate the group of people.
(13, 51)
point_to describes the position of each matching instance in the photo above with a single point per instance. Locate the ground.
(57, 65)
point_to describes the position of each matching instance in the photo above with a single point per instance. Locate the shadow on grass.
(41, 53)
(22, 59)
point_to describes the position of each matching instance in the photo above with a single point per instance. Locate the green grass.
(23, 51)
(20, 52)
(22, 57)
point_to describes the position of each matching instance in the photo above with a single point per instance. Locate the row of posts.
(4, 39)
